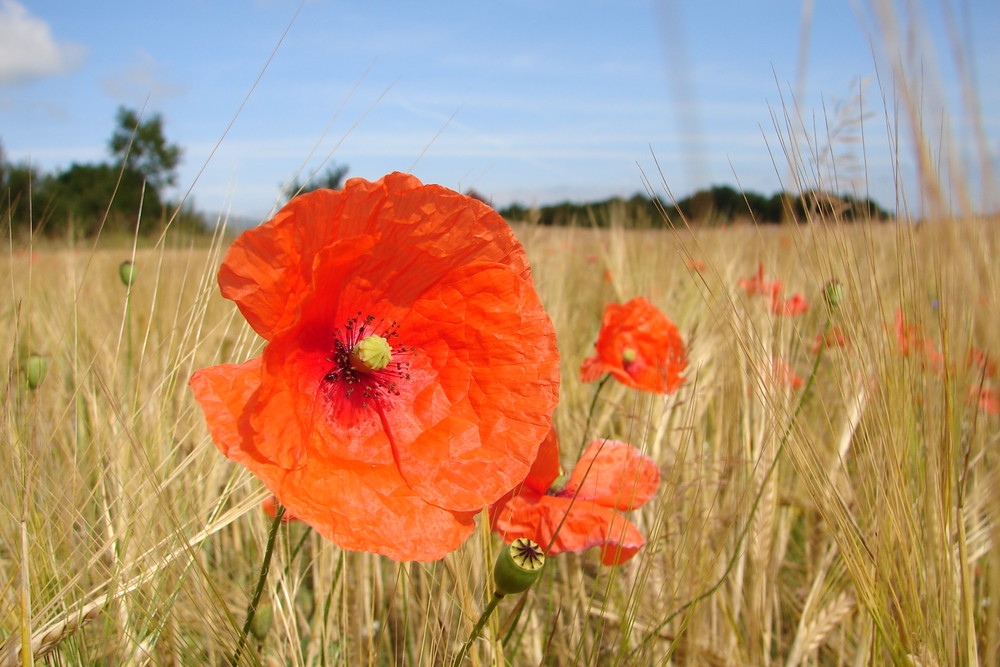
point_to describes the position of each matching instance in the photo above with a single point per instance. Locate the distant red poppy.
(410, 371)
(981, 363)
(640, 347)
(609, 478)
(755, 285)
(834, 338)
(783, 373)
(794, 305)
(986, 398)
(911, 340)
(908, 336)
(695, 265)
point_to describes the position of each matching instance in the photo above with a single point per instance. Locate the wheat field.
(848, 521)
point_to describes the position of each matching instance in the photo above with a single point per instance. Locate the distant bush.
(718, 205)
(121, 196)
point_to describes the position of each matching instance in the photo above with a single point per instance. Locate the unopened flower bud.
(126, 271)
(35, 368)
(262, 621)
(518, 566)
(833, 294)
(372, 353)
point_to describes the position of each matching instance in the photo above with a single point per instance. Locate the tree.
(141, 146)
(332, 179)
(94, 194)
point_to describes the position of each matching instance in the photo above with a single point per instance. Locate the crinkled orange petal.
(614, 474)
(588, 524)
(414, 230)
(592, 369)
(545, 469)
(358, 506)
(270, 507)
(473, 433)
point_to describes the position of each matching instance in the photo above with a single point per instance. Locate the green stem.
(474, 635)
(756, 501)
(593, 405)
(261, 581)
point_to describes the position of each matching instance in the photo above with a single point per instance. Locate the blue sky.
(533, 102)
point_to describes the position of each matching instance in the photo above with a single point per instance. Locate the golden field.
(851, 520)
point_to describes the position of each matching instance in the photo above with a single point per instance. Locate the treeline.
(126, 194)
(719, 205)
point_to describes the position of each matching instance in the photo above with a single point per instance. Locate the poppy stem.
(737, 550)
(593, 406)
(478, 628)
(279, 512)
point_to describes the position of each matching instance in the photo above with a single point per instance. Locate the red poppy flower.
(695, 265)
(609, 478)
(834, 338)
(409, 373)
(911, 339)
(981, 363)
(640, 347)
(794, 305)
(756, 286)
(783, 373)
(987, 399)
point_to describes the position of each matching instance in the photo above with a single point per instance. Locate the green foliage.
(331, 179)
(142, 146)
(719, 205)
(23, 192)
(85, 195)
(124, 196)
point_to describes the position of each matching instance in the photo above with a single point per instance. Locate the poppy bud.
(126, 271)
(35, 368)
(305, 602)
(372, 353)
(833, 294)
(262, 621)
(518, 566)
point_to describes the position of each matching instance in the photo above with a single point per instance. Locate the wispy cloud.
(144, 79)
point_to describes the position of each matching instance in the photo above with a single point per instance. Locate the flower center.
(372, 353)
(365, 366)
(628, 356)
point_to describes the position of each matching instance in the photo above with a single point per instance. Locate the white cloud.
(142, 80)
(28, 50)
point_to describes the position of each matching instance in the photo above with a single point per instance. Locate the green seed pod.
(35, 368)
(126, 271)
(833, 294)
(262, 621)
(304, 601)
(372, 353)
(518, 566)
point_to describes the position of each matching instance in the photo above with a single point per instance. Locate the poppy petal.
(491, 404)
(614, 474)
(268, 269)
(223, 392)
(399, 523)
(587, 524)
(545, 469)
